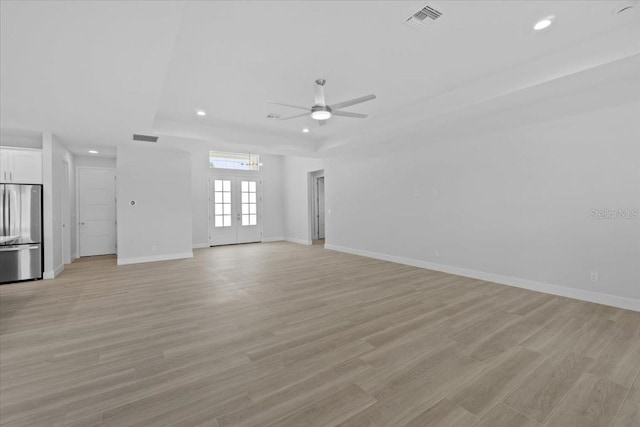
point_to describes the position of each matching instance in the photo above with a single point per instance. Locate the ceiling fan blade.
(351, 102)
(294, 117)
(322, 122)
(319, 94)
(348, 114)
(289, 105)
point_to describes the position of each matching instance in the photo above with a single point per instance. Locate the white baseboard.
(139, 260)
(201, 245)
(564, 291)
(299, 241)
(273, 239)
(74, 256)
(51, 274)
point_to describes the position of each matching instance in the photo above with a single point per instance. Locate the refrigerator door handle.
(17, 248)
(5, 213)
(8, 214)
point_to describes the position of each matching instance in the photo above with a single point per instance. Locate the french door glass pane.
(249, 202)
(222, 206)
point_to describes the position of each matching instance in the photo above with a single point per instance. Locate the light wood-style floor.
(288, 335)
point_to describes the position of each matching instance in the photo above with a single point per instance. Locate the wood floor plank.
(512, 333)
(483, 391)
(543, 389)
(629, 413)
(410, 393)
(443, 414)
(283, 333)
(589, 338)
(195, 413)
(503, 416)
(296, 397)
(592, 402)
(619, 360)
(329, 411)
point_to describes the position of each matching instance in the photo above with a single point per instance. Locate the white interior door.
(97, 211)
(320, 205)
(234, 210)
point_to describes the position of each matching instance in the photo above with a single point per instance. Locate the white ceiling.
(96, 72)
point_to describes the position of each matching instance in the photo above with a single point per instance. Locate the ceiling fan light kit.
(321, 112)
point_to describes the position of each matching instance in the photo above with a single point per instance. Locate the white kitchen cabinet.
(20, 165)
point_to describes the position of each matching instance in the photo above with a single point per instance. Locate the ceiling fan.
(321, 111)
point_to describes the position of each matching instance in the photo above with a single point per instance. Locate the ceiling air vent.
(145, 138)
(417, 20)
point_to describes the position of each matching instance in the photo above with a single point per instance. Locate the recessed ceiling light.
(93, 152)
(201, 113)
(305, 130)
(543, 23)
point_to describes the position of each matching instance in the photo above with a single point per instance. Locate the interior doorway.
(235, 214)
(317, 206)
(66, 213)
(320, 206)
(97, 211)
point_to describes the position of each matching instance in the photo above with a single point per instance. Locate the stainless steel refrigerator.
(20, 232)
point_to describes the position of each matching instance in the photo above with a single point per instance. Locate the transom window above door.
(238, 161)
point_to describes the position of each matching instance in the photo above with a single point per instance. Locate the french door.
(235, 214)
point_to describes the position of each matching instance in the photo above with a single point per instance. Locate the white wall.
(95, 162)
(296, 190)
(511, 206)
(272, 197)
(159, 225)
(53, 156)
(20, 138)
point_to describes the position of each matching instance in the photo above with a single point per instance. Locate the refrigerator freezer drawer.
(20, 262)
